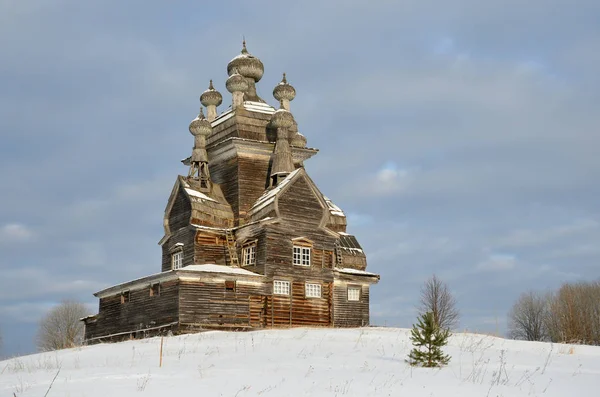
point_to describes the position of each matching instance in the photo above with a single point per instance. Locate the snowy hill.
(303, 362)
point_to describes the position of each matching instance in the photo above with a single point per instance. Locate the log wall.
(210, 248)
(350, 313)
(209, 303)
(141, 312)
(183, 236)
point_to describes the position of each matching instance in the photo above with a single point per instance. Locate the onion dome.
(299, 140)
(200, 126)
(282, 119)
(211, 97)
(283, 90)
(247, 65)
(236, 82)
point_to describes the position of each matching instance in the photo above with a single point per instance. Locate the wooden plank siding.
(117, 317)
(300, 203)
(208, 303)
(350, 313)
(183, 236)
(253, 179)
(210, 248)
(225, 173)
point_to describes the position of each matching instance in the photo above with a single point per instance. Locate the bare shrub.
(437, 299)
(61, 328)
(528, 317)
(574, 313)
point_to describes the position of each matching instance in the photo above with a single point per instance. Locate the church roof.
(187, 271)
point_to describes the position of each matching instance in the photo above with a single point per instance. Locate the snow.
(199, 195)
(305, 362)
(218, 269)
(259, 107)
(226, 115)
(353, 271)
(333, 209)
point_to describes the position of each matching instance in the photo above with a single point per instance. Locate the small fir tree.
(428, 340)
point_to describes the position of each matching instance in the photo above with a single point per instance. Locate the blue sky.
(461, 138)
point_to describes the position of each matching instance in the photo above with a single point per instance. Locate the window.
(301, 255)
(124, 297)
(353, 293)
(249, 255)
(177, 260)
(155, 289)
(312, 290)
(281, 287)
(230, 286)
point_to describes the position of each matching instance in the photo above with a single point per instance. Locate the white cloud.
(498, 262)
(390, 179)
(15, 232)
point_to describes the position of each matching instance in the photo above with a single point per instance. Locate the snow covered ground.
(305, 362)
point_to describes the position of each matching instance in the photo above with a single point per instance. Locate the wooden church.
(250, 241)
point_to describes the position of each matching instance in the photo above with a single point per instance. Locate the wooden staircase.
(232, 248)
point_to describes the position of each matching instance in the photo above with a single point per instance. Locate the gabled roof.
(333, 209)
(269, 196)
(208, 206)
(266, 205)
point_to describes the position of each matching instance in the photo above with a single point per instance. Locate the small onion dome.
(247, 65)
(236, 82)
(211, 96)
(200, 126)
(299, 140)
(284, 90)
(282, 119)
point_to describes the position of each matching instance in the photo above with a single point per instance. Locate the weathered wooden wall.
(210, 248)
(300, 203)
(258, 234)
(298, 310)
(141, 312)
(225, 173)
(350, 313)
(181, 211)
(183, 236)
(208, 303)
(253, 180)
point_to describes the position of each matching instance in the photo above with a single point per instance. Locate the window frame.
(177, 258)
(283, 292)
(125, 296)
(230, 286)
(301, 255)
(249, 252)
(310, 295)
(354, 288)
(153, 287)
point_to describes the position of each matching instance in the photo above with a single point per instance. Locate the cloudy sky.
(461, 138)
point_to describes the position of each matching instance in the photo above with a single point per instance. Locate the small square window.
(354, 294)
(312, 290)
(301, 255)
(281, 287)
(230, 286)
(249, 255)
(177, 260)
(155, 289)
(125, 296)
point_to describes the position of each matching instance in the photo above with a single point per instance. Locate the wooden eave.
(342, 275)
(170, 275)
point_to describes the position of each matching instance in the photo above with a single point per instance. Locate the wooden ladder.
(231, 247)
(338, 255)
